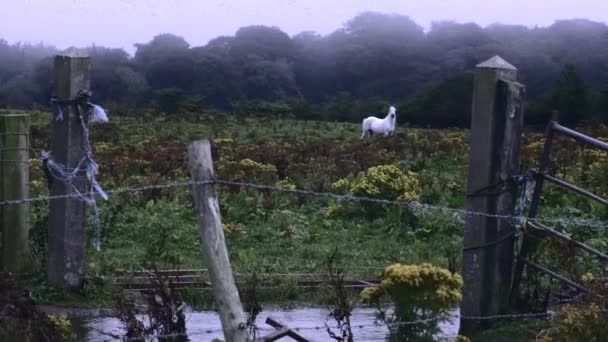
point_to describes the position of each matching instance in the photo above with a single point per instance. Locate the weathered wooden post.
(488, 252)
(67, 235)
(14, 185)
(212, 237)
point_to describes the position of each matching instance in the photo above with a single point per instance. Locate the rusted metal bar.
(540, 176)
(368, 283)
(545, 229)
(278, 325)
(580, 137)
(273, 336)
(543, 169)
(575, 188)
(556, 276)
(538, 189)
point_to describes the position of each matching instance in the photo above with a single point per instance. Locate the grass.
(148, 149)
(282, 233)
(285, 233)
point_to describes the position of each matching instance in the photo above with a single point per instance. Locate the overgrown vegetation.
(165, 310)
(21, 320)
(584, 320)
(427, 165)
(423, 294)
(271, 232)
(342, 307)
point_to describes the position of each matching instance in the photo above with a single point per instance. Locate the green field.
(277, 232)
(280, 235)
(282, 232)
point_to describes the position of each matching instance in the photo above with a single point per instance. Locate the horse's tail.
(364, 129)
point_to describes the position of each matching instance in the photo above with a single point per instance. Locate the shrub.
(248, 170)
(21, 319)
(419, 292)
(597, 176)
(193, 103)
(385, 182)
(586, 320)
(170, 100)
(230, 228)
(63, 325)
(262, 108)
(285, 184)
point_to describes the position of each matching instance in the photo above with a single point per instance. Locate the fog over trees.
(374, 60)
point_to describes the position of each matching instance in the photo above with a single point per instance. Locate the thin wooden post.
(67, 234)
(212, 237)
(496, 128)
(14, 174)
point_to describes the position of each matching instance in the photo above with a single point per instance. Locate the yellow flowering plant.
(62, 324)
(231, 228)
(385, 182)
(419, 292)
(248, 170)
(585, 320)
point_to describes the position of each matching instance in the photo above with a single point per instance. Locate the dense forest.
(374, 60)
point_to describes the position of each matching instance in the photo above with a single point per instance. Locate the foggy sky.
(121, 23)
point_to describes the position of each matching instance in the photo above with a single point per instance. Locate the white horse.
(372, 125)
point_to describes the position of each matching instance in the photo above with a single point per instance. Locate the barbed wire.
(414, 205)
(114, 191)
(506, 316)
(291, 271)
(286, 286)
(245, 274)
(389, 325)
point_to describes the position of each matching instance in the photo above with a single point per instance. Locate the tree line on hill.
(372, 61)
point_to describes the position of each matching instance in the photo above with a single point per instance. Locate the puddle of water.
(205, 325)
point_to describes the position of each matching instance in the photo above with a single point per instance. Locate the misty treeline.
(374, 60)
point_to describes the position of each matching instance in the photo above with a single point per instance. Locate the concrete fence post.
(488, 252)
(67, 218)
(14, 177)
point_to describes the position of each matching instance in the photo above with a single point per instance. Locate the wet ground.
(98, 325)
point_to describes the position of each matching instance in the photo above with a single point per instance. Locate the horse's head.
(392, 112)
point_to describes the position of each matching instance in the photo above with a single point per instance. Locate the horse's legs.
(367, 133)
